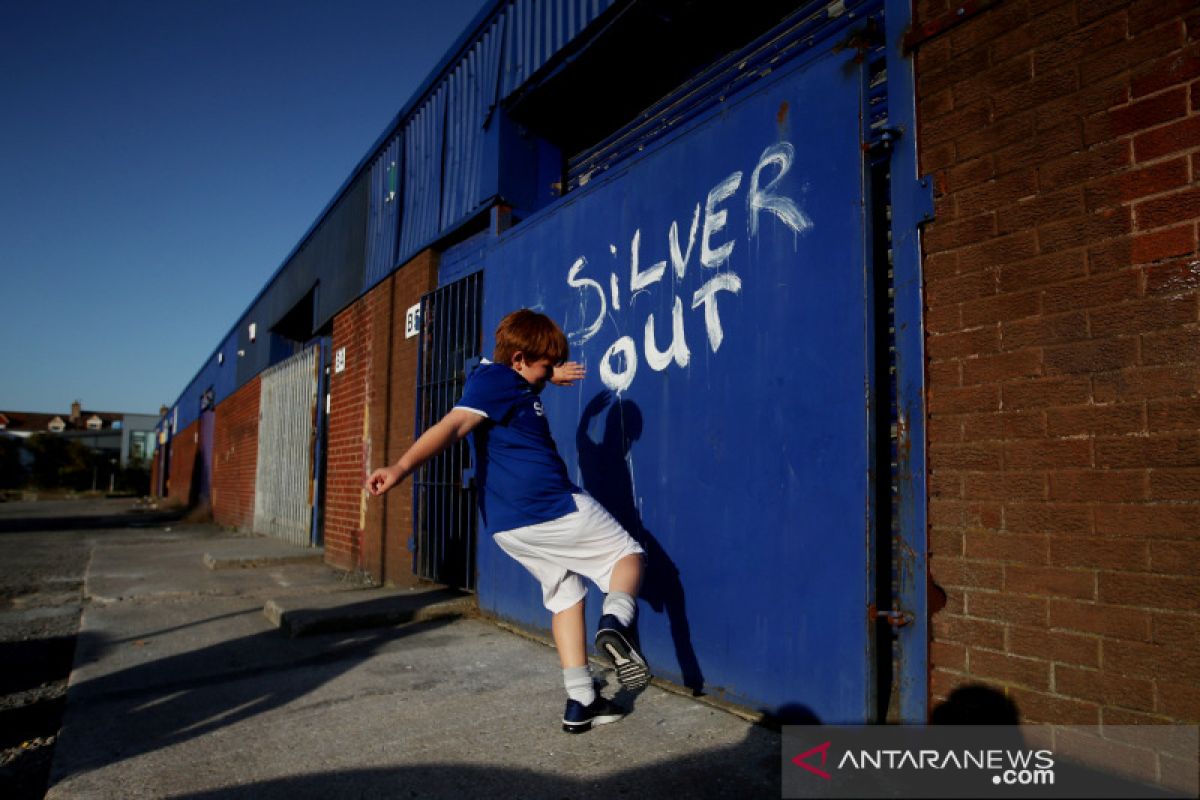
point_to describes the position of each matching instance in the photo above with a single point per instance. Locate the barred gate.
(445, 516)
(284, 485)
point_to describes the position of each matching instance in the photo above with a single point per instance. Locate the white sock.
(620, 605)
(578, 681)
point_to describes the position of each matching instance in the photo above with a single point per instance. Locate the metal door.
(284, 486)
(719, 289)
(445, 518)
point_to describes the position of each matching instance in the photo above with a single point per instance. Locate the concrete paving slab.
(187, 690)
(346, 611)
(259, 551)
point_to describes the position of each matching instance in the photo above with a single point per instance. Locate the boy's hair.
(534, 334)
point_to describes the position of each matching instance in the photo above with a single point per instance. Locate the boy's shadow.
(606, 477)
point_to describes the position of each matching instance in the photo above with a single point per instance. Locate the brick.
(1043, 330)
(1041, 89)
(1084, 230)
(1104, 289)
(1008, 669)
(968, 631)
(943, 319)
(1144, 383)
(1043, 392)
(1091, 99)
(1134, 184)
(1019, 246)
(1084, 166)
(1176, 558)
(1181, 206)
(1130, 452)
(1098, 485)
(1050, 582)
(1001, 308)
(960, 288)
(947, 655)
(1142, 316)
(1066, 51)
(1054, 268)
(944, 236)
(993, 194)
(1168, 139)
(982, 29)
(1145, 660)
(1040, 707)
(1095, 419)
(1173, 414)
(1041, 518)
(1157, 521)
(1117, 623)
(944, 373)
(1005, 366)
(1048, 141)
(968, 116)
(1137, 116)
(1176, 630)
(1009, 547)
(1096, 355)
(1004, 486)
(945, 542)
(1174, 277)
(1044, 27)
(1096, 9)
(1164, 244)
(967, 456)
(936, 105)
(964, 400)
(1005, 425)
(1041, 209)
(1054, 646)
(1175, 484)
(958, 345)
(1099, 553)
(961, 573)
(1180, 701)
(1047, 454)
(1132, 52)
(1176, 68)
(1109, 690)
(981, 87)
(1150, 591)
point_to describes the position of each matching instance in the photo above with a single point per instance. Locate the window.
(57, 425)
(94, 423)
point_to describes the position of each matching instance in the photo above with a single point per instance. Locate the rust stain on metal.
(781, 116)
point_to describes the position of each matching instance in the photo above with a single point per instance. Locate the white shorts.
(587, 542)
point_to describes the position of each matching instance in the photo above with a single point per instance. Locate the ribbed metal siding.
(538, 29)
(283, 489)
(383, 215)
(423, 139)
(472, 90)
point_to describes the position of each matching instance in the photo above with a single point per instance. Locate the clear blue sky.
(160, 158)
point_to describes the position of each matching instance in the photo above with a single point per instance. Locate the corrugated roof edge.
(468, 37)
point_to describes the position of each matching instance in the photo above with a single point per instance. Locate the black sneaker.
(614, 642)
(578, 718)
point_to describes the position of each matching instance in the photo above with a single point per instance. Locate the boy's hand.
(566, 374)
(382, 479)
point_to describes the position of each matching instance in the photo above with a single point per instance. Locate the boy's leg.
(570, 637)
(614, 638)
(627, 575)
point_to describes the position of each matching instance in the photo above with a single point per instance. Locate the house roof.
(37, 421)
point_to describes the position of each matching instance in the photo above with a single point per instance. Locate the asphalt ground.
(181, 686)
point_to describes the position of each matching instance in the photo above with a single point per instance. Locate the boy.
(533, 510)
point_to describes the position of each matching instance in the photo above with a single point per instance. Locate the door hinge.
(897, 618)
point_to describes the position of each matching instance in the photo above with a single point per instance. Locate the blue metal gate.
(445, 519)
(721, 289)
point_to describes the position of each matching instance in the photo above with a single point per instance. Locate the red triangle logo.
(800, 760)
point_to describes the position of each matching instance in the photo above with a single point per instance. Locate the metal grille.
(283, 488)
(445, 517)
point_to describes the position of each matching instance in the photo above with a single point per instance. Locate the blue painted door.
(717, 289)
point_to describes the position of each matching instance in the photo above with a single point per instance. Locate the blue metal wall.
(383, 214)
(717, 289)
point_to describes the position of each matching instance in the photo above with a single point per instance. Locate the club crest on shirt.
(537, 407)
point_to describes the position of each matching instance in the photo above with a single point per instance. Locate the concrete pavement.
(183, 687)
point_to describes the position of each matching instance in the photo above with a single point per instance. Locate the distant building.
(127, 437)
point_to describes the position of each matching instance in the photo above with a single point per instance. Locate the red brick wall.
(1061, 286)
(371, 423)
(184, 447)
(235, 457)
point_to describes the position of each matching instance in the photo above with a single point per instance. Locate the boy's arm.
(449, 429)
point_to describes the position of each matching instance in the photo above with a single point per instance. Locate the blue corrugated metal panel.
(423, 139)
(383, 214)
(718, 288)
(471, 96)
(537, 30)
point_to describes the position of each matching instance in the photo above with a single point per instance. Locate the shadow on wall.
(606, 477)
